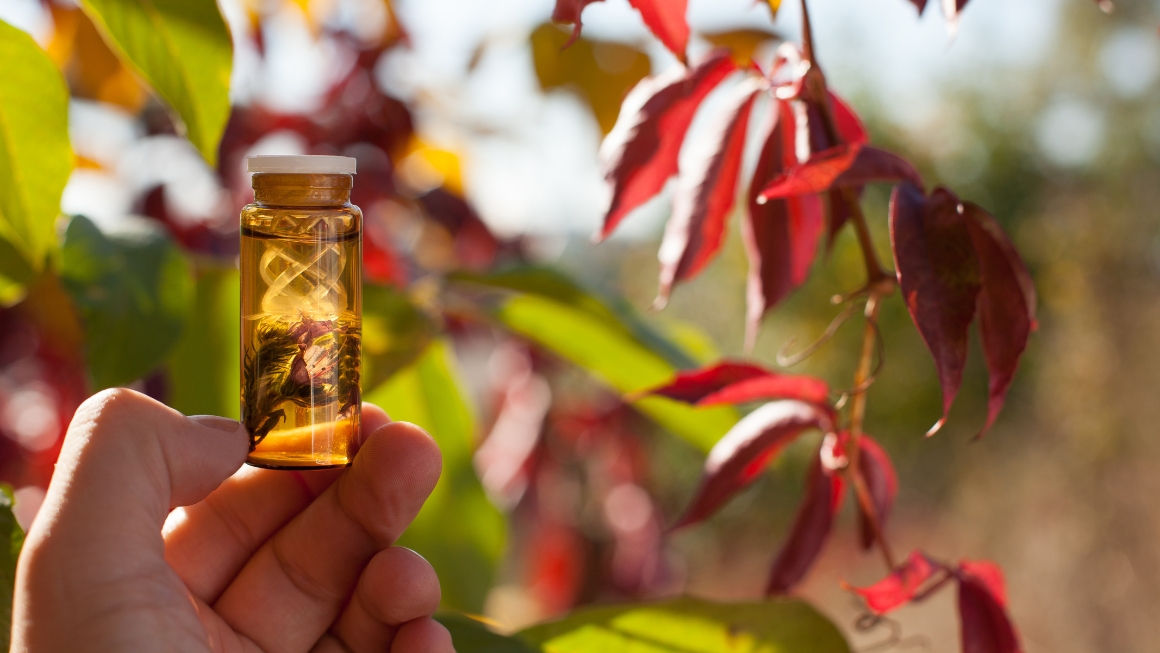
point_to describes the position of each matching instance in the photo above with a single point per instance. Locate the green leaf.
(471, 636)
(395, 333)
(459, 531)
(35, 156)
(554, 313)
(133, 290)
(183, 49)
(688, 625)
(204, 377)
(11, 541)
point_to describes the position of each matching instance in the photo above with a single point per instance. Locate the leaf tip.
(937, 426)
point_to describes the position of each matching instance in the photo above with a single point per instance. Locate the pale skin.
(155, 537)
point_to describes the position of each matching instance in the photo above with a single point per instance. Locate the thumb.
(127, 460)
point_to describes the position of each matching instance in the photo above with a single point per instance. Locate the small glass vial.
(301, 268)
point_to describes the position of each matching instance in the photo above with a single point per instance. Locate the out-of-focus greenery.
(11, 541)
(134, 293)
(183, 50)
(35, 158)
(458, 530)
(683, 625)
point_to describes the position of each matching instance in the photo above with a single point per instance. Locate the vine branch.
(878, 284)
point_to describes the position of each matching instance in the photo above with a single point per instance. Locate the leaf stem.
(878, 283)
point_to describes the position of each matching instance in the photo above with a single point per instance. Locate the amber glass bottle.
(301, 267)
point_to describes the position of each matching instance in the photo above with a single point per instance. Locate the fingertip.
(405, 442)
(422, 636)
(373, 419)
(399, 585)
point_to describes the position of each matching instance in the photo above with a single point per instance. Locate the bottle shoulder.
(308, 221)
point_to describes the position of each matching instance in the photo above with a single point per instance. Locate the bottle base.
(300, 462)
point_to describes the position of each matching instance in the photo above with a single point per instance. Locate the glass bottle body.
(301, 270)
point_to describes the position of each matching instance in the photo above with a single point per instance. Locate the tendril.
(787, 360)
(868, 622)
(880, 348)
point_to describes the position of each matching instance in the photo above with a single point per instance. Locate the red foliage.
(739, 457)
(736, 383)
(901, 585)
(640, 164)
(665, 18)
(986, 627)
(810, 530)
(781, 237)
(1006, 304)
(939, 276)
(882, 481)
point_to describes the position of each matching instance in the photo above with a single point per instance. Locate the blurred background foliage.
(493, 322)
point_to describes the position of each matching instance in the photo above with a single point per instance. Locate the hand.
(257, 560)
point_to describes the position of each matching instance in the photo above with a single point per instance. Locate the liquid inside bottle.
(301, 326)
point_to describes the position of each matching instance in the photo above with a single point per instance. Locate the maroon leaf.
(780, 236)
(881, 480)
(735, 383)
(704, 197)
(568, 11)
(901, 586)
(986, 627)
(666, 19)
(939, 276)
(815, 175)
(919, 4)
(741, 455)
(646, 158)
(1006, 305)
(876, 165)
(849, 125)
(850, 165)
(850, 131)
(810, 530)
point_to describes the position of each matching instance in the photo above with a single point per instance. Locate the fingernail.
(215, 422)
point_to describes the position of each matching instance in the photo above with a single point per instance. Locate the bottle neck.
(291, 190)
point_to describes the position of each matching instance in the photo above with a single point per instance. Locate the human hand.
(257, 560)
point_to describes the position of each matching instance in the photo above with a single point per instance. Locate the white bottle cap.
(302, 164)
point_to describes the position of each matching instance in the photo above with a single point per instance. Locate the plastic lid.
(315, 164)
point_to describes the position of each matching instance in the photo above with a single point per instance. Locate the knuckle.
(106, 408)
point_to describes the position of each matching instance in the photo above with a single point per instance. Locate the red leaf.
(851, 165)
(849, 125)
(780, 236)
(735, 383)
(568, 11)
(901, 586)
(939, 276)
(666, 19)
(881, 480)
(851, 131)
(986, 627)
(740, 456)
(1006, 305)
(876, 165)
(643, 161)
(704, 197)
(815, 175)
(810, 530)
(919, 4)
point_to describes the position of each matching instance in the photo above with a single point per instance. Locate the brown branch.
(857, 414)
(878, 282)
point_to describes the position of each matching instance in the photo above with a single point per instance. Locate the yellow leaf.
(742, 43)
(424, 166)
(774, 5)
(600, 72)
